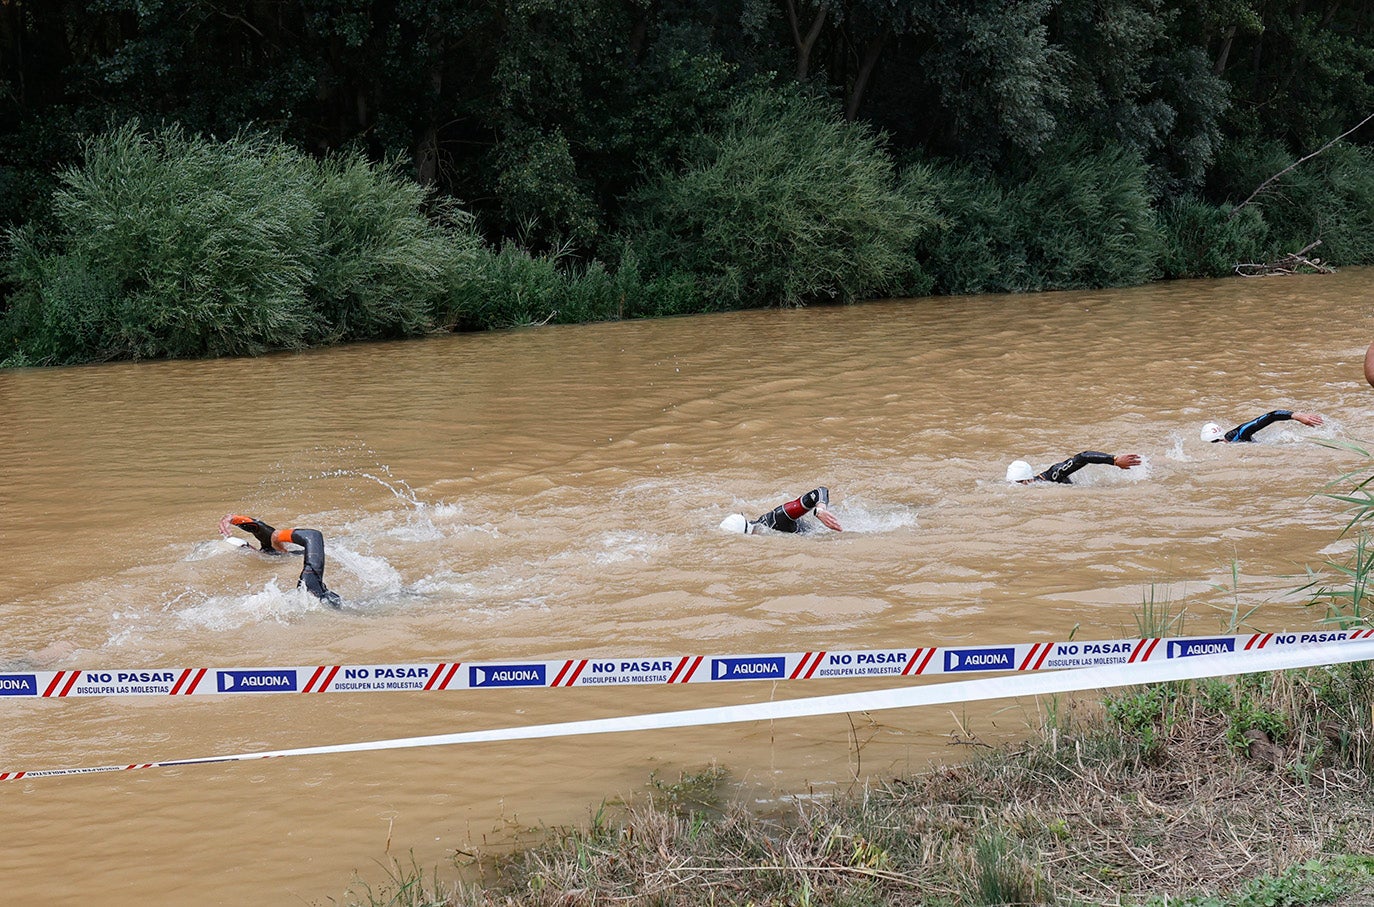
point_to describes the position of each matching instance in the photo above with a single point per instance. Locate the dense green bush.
(1073, 220)
(785, 205)
(512, 287)
(383, 268)
(1085, 220)
(170, 245)
(1200, 239)
(975, 249)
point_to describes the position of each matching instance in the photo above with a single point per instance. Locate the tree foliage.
(787, 204)
(722, 152)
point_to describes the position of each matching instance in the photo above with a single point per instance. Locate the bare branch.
(1262, 185)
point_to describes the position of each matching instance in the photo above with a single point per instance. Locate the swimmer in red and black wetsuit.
(1212, 432)
(274, 541)
(788, 517)
(1021, 473)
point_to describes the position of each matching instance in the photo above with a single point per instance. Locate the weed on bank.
(1242, 793)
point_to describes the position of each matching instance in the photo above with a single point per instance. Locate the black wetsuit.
(1060, 472)
(1247, 431)
(312, 571)
(786, 517)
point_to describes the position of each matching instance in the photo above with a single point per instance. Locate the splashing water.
(229, 612)
(399, 488)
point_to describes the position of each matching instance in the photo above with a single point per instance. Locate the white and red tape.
(602, 670)
(1261, 655)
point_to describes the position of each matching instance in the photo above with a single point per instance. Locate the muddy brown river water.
(556, 491)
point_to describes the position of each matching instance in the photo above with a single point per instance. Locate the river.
(555, 492)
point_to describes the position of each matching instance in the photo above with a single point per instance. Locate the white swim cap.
(1020, 471)
(735, 522)
(1212, 432)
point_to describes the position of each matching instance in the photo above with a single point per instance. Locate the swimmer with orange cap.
(788, 517)
(274, 541)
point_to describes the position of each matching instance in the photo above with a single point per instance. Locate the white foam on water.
(617, 547)
(371, 571)
(1176, 451)
(230, 612)
(858, 517)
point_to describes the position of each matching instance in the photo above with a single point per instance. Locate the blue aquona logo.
(1000, 659)
(281, 680)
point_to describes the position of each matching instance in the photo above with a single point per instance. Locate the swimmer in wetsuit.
(788, 517)
(1021, 473)
(1212, 432)
(274, 541)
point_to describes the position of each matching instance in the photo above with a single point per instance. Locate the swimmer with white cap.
(1212, 432)
(788, 517)
(1021, 473)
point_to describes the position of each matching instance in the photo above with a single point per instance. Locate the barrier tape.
(1074, 680)
(586, 671)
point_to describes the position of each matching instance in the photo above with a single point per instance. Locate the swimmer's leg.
(312, 572)
(311, 582)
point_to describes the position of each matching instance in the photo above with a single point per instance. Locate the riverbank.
(164, 245)
(1254, 791)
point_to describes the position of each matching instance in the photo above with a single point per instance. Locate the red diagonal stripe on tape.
(1049, 647)
(911, 662)
(820, 656)
(451, 671)
(930, 653)
(801, 666)
(678, 670)
(329, 678)
(559, 679)
(313, 677)
(690, 671)
(578, 673)
(1025, 662)
(429, 685)
(11, 776)
(70, 683)
(57, 678)
(195, 682)
(176, 688)
(569, 672)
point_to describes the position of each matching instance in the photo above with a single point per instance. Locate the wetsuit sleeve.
(784, 517)
(257, 529)
(1061, 471)
(1247, 431)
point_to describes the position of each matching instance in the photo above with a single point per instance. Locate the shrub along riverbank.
(165, 244)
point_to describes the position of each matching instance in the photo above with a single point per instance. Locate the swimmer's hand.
(827, 518)
(1309, 419)
(1126, 461)
(224, 525)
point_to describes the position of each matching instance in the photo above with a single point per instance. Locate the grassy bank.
(1246, 793)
